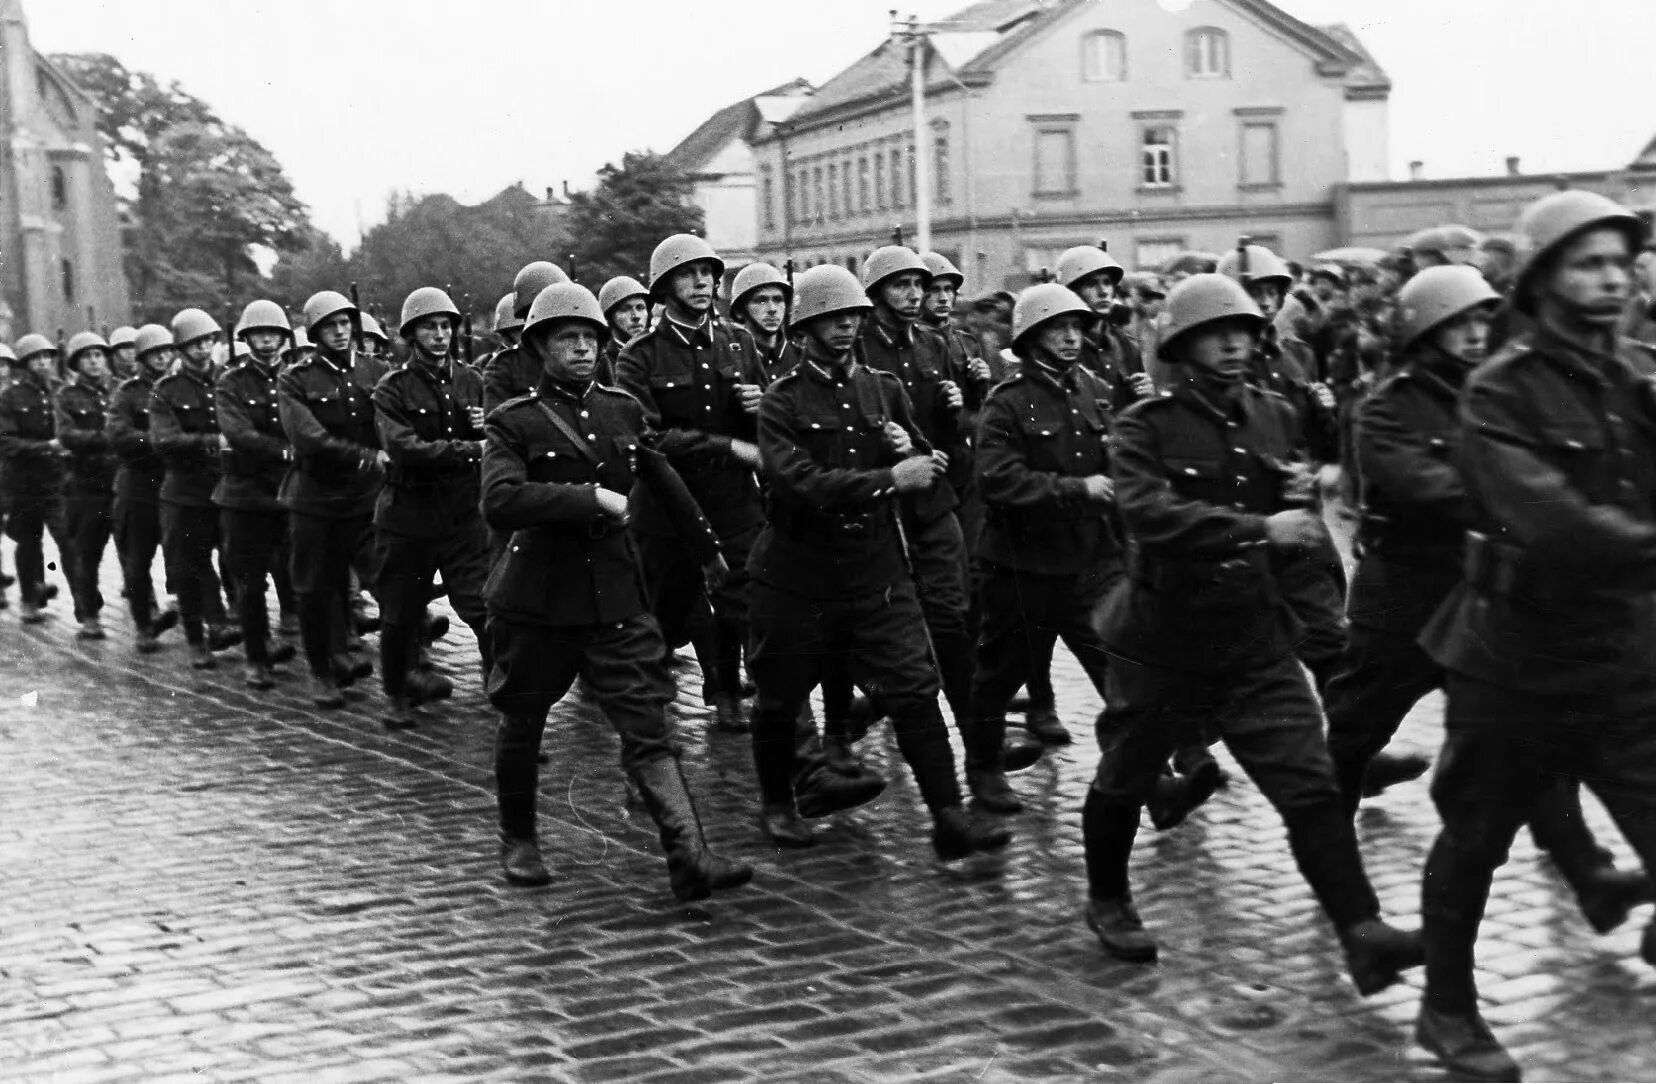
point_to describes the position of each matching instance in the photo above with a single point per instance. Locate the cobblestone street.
(206, 884)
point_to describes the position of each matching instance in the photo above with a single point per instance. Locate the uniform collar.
(557, 389)
(690, 334)
(341, 366)
(204, 378)
(1578, 359)
(900, 337)
(441, 370)
(829, 370)
(1060, 380)
(1222, 404)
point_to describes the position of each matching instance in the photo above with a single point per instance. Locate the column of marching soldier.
(842, 487)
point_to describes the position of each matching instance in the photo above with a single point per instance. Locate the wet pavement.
(203, 883)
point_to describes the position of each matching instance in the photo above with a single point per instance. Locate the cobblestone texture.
(206, 884)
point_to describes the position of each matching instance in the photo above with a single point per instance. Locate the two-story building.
(1051, 123)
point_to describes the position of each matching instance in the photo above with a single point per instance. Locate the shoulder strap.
(567, 430)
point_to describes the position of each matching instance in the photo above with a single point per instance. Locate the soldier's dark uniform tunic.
(1201, 640)
(508, 374)
(830, 583)
(90, 488)
(686, 377)
(568, 596)
(31, 473)
(1550, 642)
(251, 516)
(1110, 354)
(1050, 554)
(329, 419)
(184, 427)
(137, 505)
(427, 518)
(777, 360)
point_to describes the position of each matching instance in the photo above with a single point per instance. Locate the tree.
(634, 206)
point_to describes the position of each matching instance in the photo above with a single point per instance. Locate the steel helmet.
(122, 336)
(192, 324)
(7, 354)
(1436, 295)
(1204, 299)
(1445, 241)
(1038, 304)
(1263, 265)
(565, 301)
(1146, 281)
(750, 278)
(1331, 271)
(622, 288)
(263, 315)
(151, 337)
(325, 304)
(889, 260)
(505, 314)
(531, 280)
(1075, 264)
(83, 340)
(371, 326)
(1550, 222)
(940, 267)
(34, 343)
(424, 302)
(826, 289)
(675, 252)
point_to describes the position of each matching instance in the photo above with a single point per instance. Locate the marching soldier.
(123, 353)
(376, 345)
(698, 379)
(626, 305)
(1049, 551)
(32, 479)
(251, 517)
(506, 327)
(329, 494)
(137, 506)
(831, 582)
(1109, 352)
(510, 373)
(184, 426)
(1198, 640)
(759, 300)
(1550, 640)
(566, 598)
(968, 369)
(81, 407)
(429, 415)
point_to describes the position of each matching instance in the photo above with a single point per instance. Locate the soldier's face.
(1268, 296)
(1592, 277)
(94, 363)
(1060, 339)
(1466, 337)
(630, 318)
(940, 300)
(334, 333)
(198, 353)
(265, 343)
(124, 360)
(43, 364)
(433, 336)
(836, 332)
(371, 347)
(902, 293)
(157, 361)
(1095, 289)
(568, 351)
(765, 307)
(1644, 271)
(691, 286)
(1221, 349)
(1149, 303)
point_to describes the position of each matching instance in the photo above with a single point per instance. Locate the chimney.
(549, 193)
(1417, 170)
(1512, 165)
(566, 189)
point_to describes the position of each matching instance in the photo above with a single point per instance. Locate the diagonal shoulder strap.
(567, 430)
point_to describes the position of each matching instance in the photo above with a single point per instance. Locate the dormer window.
(1104, 57)
(1207, 53)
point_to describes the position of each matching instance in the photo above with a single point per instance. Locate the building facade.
(1051, 123)
(60, 234)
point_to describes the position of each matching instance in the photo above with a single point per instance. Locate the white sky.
(360, 97)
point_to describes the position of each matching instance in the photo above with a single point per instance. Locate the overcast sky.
(360, 97)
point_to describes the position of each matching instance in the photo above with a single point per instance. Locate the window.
(67, 269)
(862, 185)
(896, 177)
(60, 189)
(913, 193)
(1153, 253)
(851, 264)
(818, 199)
(1156, 158)
(1207, 53)
(802, 193)
(879, 181)
(1041, 260)
(1104, 57)
(767, 196)
(1259, 154)
(833, 191)
(940, 162)
(1054, 161)
(845, 187)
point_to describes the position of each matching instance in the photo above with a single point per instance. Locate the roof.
(974, 40)
(739, 120)
(1646, 158)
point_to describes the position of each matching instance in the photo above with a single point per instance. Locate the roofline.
(1492, 180)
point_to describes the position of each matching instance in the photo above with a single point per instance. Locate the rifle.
(897, 233)
(356, 303)
(466, 330)
(60, 358)
(787, 301)
(574, 276)
(1242, 244)
(229, 335)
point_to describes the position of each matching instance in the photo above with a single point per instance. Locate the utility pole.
(915, 35)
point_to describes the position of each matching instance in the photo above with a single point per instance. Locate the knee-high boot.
(693, 871)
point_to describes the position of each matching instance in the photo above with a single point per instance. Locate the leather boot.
(425, 686)
(782, 826)
(842, 760)
(30, 613)
(957, 833)
(399, 714)
(521, 861)
(220, 637)
(288, 625)
(145, 642)
(1609, 894)
(1120, 930)
(1020, 751)
(166, 619)
(325, 692)
(1377, 954)
(991, 791)
(824, 791)
(435, 629)
(693, 871)
(258, 676)
(91, 629)
(279, 653)
(1465, 1045)
(728, 717)
(1389, 769)
(1046, 727)
(348, 671)
(1175, 796)
(201, 657)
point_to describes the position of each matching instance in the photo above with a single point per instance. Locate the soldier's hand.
(474, 414)
(1142, 385)
(224, 443)
(377, 461)
(55, 444)
(750, 394)
(897, 439)
(1323, 396)
(952, 398)
(1299, 483)
(941, 458)
(745, 452)
(611, 503)
(1099, 488)
(716, 572)
(915, 473)
(1293, 529)
(978, 370)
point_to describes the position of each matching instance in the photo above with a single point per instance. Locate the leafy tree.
(633, 207)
